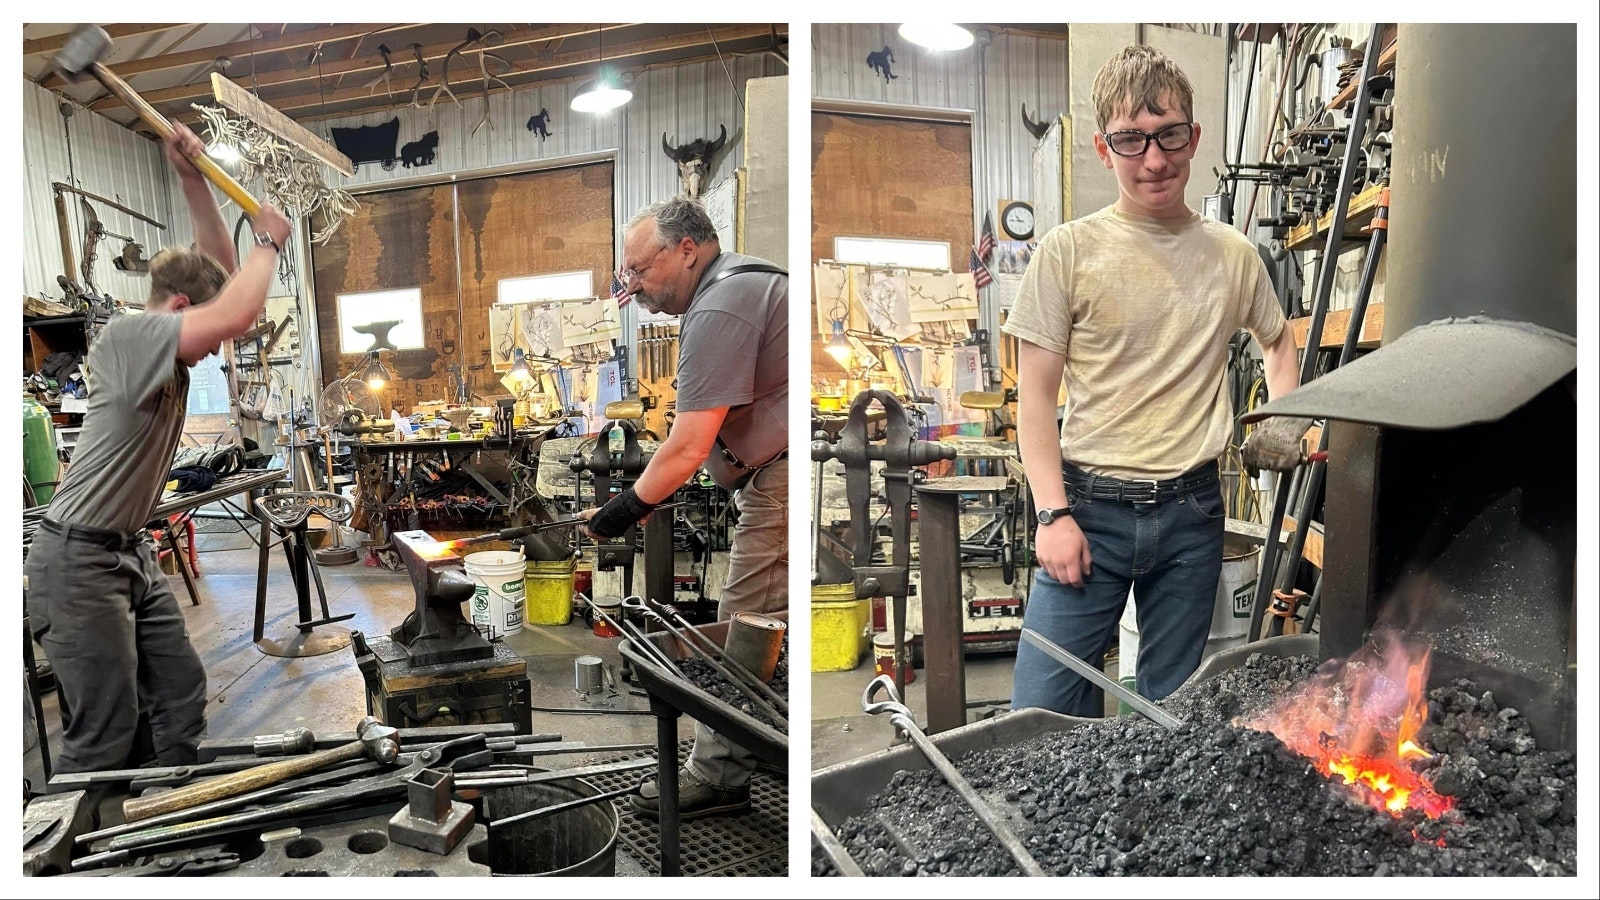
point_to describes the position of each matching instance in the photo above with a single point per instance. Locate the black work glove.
(619, 512)
(1276, 444)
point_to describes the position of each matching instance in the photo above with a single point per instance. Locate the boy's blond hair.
(190, 272)
(1137, 78)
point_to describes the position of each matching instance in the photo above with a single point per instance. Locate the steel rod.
(554, 809)
(834, 848)
(1144, 707)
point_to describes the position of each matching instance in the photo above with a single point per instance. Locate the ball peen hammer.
(81, 56)
(375, 740)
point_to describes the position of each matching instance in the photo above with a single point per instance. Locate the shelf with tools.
(1312, 236)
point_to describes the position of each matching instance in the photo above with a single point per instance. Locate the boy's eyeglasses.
(1134, 142)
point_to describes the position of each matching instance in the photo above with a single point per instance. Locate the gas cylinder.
(40, 464)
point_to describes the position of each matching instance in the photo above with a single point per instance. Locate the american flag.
(980, 272)
(986, 239)
(618, 292)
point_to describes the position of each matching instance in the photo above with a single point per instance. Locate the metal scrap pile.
(1126, 797)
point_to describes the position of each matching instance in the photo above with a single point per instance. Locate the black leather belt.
(1087, 485)
(100, 537)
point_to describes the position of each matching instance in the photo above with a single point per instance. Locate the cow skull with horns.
(694, 160)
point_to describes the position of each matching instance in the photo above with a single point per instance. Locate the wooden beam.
(290, 41)
(231, 96)
(1257, 534)
(1337, 324)
(56, 41)
(472, 78)
(373, 63)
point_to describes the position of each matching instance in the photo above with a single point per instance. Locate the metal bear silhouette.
(880, 61)
(420, 152)
(540, 124)
(1037, 129)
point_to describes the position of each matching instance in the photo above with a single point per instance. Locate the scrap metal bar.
(1144, 707)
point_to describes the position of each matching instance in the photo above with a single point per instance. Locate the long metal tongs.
(900, 716)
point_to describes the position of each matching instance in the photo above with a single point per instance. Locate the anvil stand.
(437, 661)
(901, 451)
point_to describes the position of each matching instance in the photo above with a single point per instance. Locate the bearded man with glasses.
(1134, 305)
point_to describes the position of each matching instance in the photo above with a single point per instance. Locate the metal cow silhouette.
(540, 124)
(694, 160)
(880, 61)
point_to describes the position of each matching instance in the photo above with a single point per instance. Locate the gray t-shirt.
(734, 352)
(138, 393)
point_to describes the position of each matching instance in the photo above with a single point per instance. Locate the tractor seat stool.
(287, 513)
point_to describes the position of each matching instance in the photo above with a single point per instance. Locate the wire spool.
(756, 641)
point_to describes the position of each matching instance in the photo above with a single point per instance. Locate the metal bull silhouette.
(694, 160)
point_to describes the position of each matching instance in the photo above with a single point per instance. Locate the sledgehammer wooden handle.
(235, 783)
(156, 120)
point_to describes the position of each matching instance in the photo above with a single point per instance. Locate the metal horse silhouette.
(880, 61)
(540, 124)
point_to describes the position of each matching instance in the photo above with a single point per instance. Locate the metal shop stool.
(287, 513)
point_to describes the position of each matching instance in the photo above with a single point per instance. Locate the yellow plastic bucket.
(839, 634)
(548, 588)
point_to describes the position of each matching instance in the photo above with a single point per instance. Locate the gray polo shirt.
(734, 352)
(138, 393)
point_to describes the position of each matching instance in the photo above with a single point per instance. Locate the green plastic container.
(40, 465)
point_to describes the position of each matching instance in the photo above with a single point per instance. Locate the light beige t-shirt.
(1143, 310)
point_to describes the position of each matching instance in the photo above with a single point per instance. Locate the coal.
(1127, 797)
(703, 676)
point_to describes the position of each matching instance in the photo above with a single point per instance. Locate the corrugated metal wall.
(990, 82)
(686, 102)
(94, 154)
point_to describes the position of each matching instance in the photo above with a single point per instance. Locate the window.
(392, 315)
(560, 286)
(912, 254)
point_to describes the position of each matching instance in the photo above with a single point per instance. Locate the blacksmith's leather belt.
(100, 537)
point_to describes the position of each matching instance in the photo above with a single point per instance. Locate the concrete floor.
(252, 693)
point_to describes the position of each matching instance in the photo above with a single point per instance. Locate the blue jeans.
(1170, 552)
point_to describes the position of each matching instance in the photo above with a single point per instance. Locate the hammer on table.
(81, 56)
(374, 740)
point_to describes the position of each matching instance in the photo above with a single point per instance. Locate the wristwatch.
(1046, 516)
(263, 239)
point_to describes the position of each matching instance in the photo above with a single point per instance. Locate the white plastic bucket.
(498, 600)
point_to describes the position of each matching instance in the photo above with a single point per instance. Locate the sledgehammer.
(81, 56)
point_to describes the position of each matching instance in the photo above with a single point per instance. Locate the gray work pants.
(758, 581)
(115, 637)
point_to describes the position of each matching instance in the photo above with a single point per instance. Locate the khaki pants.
(758, 581)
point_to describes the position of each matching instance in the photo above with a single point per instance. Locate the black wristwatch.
(263, 239)
(1046, 516)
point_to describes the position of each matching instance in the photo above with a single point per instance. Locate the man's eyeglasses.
(1134, 143)
(629, 275)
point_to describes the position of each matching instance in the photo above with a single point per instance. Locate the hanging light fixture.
(838, 346)
(602, 94)
(223, 152)
(375, 373)
(937, 35)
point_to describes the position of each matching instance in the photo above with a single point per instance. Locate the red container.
(611, 606)
(583, 581)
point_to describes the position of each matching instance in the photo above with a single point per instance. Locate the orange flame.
(1361, 720)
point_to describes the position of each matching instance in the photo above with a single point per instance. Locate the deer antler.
(422, 74)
